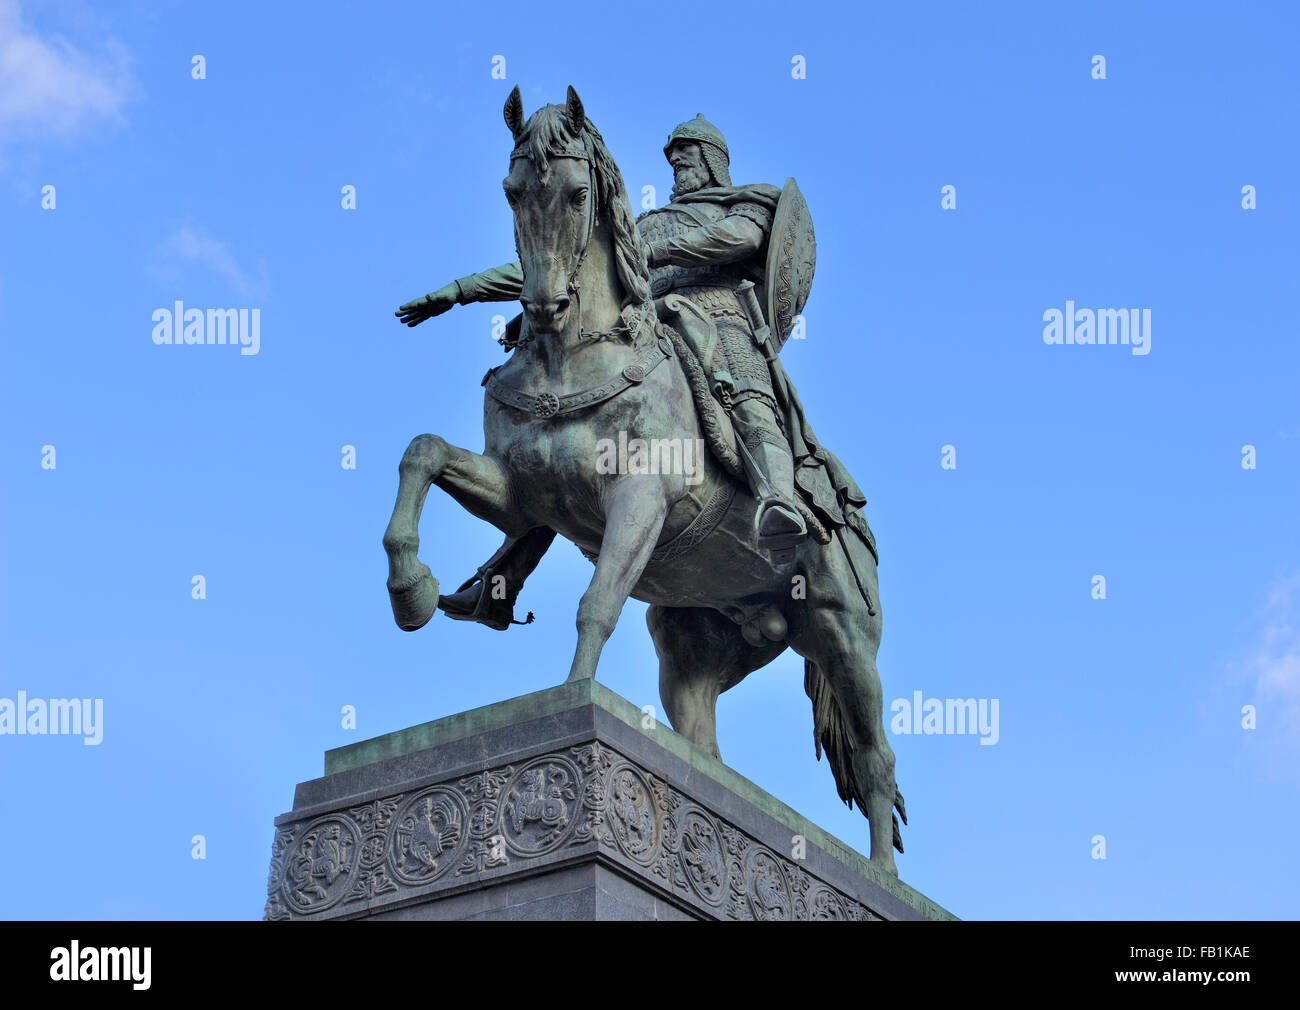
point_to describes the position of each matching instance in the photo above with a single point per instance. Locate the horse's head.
(562, 184)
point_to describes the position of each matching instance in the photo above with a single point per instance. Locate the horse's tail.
(832, 735)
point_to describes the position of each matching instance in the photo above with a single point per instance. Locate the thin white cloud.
(198, 246)
(194, 245)
(50, 89)
(1275, 667)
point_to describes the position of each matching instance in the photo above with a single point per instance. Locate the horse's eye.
(579, 198)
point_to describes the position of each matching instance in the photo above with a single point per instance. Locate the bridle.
(580, 150)
(547, 403)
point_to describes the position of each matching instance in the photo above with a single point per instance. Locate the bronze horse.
(720, 608)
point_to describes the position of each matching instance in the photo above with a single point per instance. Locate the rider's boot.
(779, 521)
(778, 518)
(489, 595)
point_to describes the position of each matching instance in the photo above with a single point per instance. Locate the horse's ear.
(576, 116)
(515, 113)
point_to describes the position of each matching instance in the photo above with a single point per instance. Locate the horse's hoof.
(414, 599)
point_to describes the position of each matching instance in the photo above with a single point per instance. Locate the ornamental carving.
(429, 834)
(540, 806)
(495, 822)
(319, 869)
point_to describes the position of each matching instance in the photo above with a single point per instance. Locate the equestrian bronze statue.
(663, 334)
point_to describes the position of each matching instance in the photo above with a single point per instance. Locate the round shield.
(791, 260)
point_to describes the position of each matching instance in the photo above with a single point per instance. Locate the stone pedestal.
(559, 805)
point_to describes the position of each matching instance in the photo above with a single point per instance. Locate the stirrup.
(481, 607)
(785, 529)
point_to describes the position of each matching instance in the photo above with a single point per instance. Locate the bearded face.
(689, 170)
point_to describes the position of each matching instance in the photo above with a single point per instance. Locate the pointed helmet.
(712, 145)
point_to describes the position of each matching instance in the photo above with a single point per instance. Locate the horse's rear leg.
(835, 631)
(701, 654)
(478, 482)
(634, 519)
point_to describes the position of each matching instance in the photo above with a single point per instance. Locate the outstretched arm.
(500, 284)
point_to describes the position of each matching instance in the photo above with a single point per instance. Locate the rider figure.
(709, 238)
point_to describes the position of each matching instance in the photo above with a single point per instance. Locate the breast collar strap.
(547, 404)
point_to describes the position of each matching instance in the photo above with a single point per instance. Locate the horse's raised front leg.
(477, 482)
(633, 522)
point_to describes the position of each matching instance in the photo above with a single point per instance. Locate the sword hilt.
(749, 302)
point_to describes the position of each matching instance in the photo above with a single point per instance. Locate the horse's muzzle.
(546, 315)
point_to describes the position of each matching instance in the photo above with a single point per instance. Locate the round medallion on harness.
(634, 373)
(546, 405)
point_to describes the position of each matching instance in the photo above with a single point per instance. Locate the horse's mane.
(548, 134)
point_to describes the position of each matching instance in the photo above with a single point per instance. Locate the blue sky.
(1119, 717)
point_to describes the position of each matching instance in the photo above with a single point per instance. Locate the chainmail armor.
(755, 212)
(713, 288)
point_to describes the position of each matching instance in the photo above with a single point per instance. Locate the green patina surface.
(588, 692)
